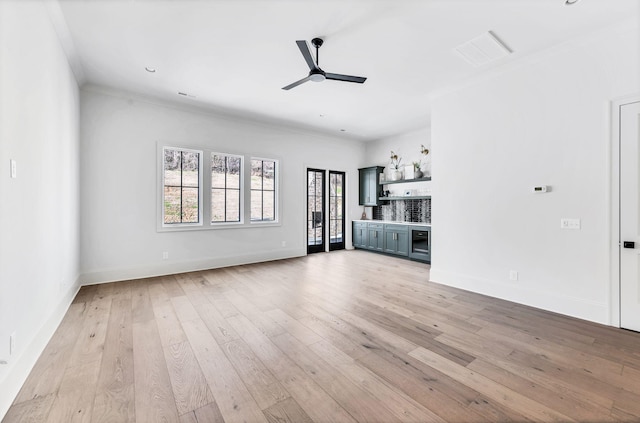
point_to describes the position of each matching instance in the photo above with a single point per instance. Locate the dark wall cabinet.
(369, 178)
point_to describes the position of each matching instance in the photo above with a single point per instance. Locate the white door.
(630, 216)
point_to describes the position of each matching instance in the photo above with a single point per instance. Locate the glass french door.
(323, 227)
(336, 210)
(315, 211)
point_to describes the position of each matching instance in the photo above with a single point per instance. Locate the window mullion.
(181, 185)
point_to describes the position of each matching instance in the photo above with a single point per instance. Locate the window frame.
(205, 190)
(182, 225)
(241, 190)
(276, 192)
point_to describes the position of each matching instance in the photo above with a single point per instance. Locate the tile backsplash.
(416, 211)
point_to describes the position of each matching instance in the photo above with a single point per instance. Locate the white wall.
(39, 210)
(405, 145)
(542, 121)
(120, 134)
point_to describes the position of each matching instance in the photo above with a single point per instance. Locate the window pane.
(171, 205)
(269, 207)
(338, 214)
(190, 163)
(256, 205)
(269, 175)
(190, 205)
(172, 167)
(233, 205)
(256, 174)
(332, 207)
(217, 171)
(233, 172)
(217, 205)
(334, 230)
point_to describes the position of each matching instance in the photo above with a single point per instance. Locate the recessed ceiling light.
(150, 70)
(570, 2)
(343, 130)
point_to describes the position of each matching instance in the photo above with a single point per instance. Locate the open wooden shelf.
(400, 181)
(413, 197)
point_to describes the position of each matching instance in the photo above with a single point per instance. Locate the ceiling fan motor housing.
(317, 75)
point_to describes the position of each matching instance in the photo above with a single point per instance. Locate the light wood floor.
(346, 336)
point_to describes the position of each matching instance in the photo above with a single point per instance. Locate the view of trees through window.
(263, 190)
(181, 186)
(226, 171)
(183, 198)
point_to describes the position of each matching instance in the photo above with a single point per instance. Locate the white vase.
(396, 175)
(426, 169)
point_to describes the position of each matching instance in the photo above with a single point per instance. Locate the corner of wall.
(19, 369)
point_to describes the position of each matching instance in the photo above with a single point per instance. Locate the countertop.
(394, 222)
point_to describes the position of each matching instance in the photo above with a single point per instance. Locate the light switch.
(14, 169)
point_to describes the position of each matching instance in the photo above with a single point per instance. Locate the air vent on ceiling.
(482, 49)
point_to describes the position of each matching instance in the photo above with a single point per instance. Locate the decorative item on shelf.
(394, 167)
(408, 172)
(417, 173)
(425, 166)
(364, 214)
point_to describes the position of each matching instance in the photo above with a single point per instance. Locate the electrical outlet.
(165, 255)
(14, 168)
(513, 275)
(567, 223)
(284, 243)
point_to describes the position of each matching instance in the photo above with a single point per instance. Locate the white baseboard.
(19, 368)
(169, 268)
(580, 308)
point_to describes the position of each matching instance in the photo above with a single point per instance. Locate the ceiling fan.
(316, 74)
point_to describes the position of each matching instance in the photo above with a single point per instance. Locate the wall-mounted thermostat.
(542, 188)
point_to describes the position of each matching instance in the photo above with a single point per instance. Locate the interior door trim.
(614, 209)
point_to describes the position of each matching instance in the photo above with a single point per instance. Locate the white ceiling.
(234, 56)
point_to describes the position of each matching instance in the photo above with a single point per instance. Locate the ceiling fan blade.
(303, 45)
(295, 84)
(347, 78)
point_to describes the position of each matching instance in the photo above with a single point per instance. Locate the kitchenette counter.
(405, 239)
(393, 222)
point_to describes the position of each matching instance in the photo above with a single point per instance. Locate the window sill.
(216, 226)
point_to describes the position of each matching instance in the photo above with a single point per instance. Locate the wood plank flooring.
(347, 336)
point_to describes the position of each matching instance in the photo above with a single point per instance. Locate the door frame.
(347, 206)
(614, 217)
(323, 247)
(343, 244)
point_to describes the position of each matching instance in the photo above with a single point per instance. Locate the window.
(226, 192)
(263, 190)
(204, 189)
(181, 184)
